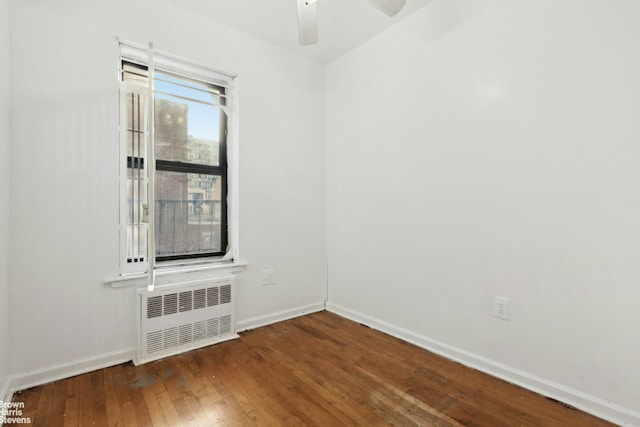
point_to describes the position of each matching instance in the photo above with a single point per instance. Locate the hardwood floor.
(316, 370)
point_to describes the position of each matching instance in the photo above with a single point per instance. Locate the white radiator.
(181, 317)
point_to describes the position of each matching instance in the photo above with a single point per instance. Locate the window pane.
(188, 213)
(136, 242)
(134, 73)
(187, 88)
(188, 129)
(134, 106)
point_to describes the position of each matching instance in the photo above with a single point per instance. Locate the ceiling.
(342, 24)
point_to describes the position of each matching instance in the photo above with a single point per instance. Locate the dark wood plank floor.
(316, 370)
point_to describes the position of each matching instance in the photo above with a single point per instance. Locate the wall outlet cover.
(268, 277)
(501, 307)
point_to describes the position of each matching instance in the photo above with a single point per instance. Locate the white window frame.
(154, 59)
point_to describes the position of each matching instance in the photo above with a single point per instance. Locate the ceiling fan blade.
(307, 22)
(388, 7)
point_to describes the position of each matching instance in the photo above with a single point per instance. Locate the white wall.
(65, 172)
(491, 147)
(4, 196)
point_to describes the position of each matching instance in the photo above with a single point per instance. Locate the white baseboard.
(585, 402)
(53, 373)
(279, 316)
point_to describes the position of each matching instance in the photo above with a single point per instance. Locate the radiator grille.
(225, 325)
(184, 319)
(212, 297)
(199, 298)
(170, 337)
(163, 305)
(170, 305)
(154, 341)
(212, 328)
(185, 334)
(186, 301)
(225, 294)
(154, 306)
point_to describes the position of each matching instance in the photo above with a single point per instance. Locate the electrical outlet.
(501, 307)
(267, 277)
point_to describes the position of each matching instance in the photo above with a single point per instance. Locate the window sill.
(177, 274)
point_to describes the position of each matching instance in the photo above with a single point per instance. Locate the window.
(174, 167)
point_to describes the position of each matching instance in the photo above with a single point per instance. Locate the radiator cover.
(181, 317)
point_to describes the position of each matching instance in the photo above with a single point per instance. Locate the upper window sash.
(172, 64)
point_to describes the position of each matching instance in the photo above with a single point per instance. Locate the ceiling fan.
(308, 20)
